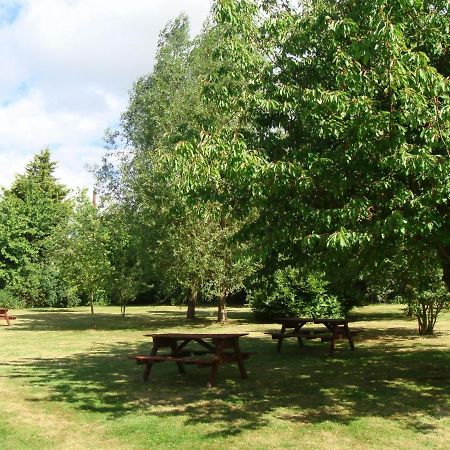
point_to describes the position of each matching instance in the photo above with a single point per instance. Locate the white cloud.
(67, 66)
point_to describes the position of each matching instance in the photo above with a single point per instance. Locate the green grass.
(65, 385)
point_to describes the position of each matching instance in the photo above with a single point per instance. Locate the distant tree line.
(297, 157)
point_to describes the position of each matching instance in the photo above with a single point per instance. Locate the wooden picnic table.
(4, 315)
(336, 329)
(222, 348)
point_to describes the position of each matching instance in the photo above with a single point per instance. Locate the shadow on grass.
(67, 320)
(303, 385)
(70, 320)
(386, 315)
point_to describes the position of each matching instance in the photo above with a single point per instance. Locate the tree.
(30, 212)
(188, 242)
(412, 275)
(349, 148)
(81, 251)
(125, 274)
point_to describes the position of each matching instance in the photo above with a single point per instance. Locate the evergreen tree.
(30, 211)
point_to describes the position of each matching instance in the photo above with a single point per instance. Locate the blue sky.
(9, 11)
(67, 67)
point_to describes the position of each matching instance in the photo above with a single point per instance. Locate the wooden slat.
(186, 360)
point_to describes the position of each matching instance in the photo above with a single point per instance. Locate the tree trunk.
(409, 311)
(91, 302)
(122, 309)
(222, 315)
(192, 301)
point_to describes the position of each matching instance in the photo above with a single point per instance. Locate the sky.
(66, 67)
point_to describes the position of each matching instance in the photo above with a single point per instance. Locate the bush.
(9, 300)
(39, 286)
(288, 294)
(427, 305)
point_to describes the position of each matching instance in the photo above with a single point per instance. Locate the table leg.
(148, 365)
(180, 365)
(349, 337)
(333, 329)
(280, 340)
(240, 361)
(212, 375)
(297, 330)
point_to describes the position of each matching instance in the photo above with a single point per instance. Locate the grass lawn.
(65, 385)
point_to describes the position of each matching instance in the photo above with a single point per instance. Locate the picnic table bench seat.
(186, 359)
(303, 334)
(11, 317)
(141, 359)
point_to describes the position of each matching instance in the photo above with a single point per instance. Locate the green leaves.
(30, 212)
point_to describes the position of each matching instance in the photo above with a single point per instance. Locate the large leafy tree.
(347, 152)
(125, 280)
(186, 242)
(350, 107)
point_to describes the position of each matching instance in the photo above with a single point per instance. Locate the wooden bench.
(200, 362)
(183, 360)
(4, 315)
(341, 334)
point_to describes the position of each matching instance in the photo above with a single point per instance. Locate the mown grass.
(65, 385)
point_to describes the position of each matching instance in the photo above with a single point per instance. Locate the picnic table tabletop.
(196, 335)
(333, 321)
(294, 320)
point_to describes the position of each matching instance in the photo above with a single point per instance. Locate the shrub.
(427, 305)
(9, 300)
(288, 294)
(39, 286)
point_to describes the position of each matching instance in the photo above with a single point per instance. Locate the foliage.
(39, 285)
(125, 277)
(80, 251)
(9, 300)
(343, 132)
(351, 115)
(289, 293)
(187, 245)
(427, 305)
(29, 213)
(320, 133)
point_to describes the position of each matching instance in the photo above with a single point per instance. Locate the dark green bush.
(289, 294)
(9, 300)
(39, 285)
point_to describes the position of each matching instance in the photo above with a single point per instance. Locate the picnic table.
(213, 350)
(4, 315)
(335, 329)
